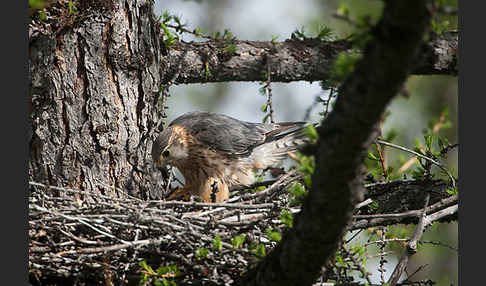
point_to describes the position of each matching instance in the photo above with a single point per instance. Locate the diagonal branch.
(293, 60)
(349, 130)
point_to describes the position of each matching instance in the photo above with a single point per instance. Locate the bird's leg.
(214, 190)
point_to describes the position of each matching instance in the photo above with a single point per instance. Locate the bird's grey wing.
(227, 134)
(221, 132)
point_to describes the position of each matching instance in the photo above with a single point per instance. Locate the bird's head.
(168, 148)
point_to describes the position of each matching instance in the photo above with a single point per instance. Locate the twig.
(309, 109)
(345, 19)
(226, 205)
(169, 180)
(353, 237)
(283, 180)
(382, 219)
(382, 269)
(440, 214)
(438, 243)
(382, 160)
(365, 274)
(79, 239)
(331, 93)
(383, 241)
(363, 203)
(411, 245)
(416, 271)
(116, 246)
(268, 89)
(39, 208)
(421, 156)
(67, 190)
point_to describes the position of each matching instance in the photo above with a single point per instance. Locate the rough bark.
(94, 92)
(345, 136)
(292, 60)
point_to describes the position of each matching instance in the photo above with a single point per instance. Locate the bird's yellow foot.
(179, 192)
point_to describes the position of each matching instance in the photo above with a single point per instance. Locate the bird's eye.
(166, 153)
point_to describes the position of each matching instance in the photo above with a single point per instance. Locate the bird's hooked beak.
(159, 163)
(162, 160)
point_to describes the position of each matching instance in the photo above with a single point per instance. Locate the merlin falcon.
(215, 152)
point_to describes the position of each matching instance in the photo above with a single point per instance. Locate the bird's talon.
(178, 193)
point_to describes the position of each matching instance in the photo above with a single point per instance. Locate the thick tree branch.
(390, 195)
(292, 60)
(349, 130)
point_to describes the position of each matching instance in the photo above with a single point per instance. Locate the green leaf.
(37, 4)
(299, 34)
(198, 32)
(440, 142)
(164, 270)
(201, 252)
(145, 266)
(344, 65)
(166, 16)
(265, 119)
(287, 218)
(158, 282)
(230, 49)
(217, 243)
(207, 72)
(372, 156)
(374, 205)
(297, 190)
(311, 133)
(169, 38)
(42, 15)
(452, 191)
(418, 172)
(343, 10)
(144, 279)
(168, 282)
(71, 7)
(428, 141)
(260, 250)
(273, 235)
(274, 39)
(359, 249)
(264, 107)
(339, 260)
(238, 240)
(445, 111)
(325, 33)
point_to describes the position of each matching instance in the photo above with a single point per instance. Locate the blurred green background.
(410, 112)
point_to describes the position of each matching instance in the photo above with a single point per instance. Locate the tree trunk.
(94, 89)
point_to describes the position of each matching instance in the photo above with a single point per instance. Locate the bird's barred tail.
(290, 141)
(288, 137)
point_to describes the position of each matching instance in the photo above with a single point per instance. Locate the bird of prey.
(216, 153)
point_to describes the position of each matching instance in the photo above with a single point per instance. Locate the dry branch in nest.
(103, 240)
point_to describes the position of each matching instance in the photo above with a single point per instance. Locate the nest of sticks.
(102, 240)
